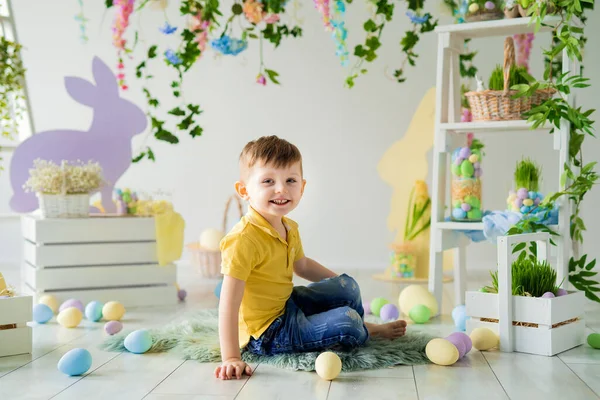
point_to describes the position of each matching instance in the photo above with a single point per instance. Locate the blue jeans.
(325, 314)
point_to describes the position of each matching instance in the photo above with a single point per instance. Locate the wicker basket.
(208, 262)
(484, 15)
(499, 105)
(64, 205)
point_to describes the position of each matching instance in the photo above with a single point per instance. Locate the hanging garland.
(12, 76)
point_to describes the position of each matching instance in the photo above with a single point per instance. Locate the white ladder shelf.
(448, 129)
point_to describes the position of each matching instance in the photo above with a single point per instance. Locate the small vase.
(64, 206)
(466, 185)
(403, 260)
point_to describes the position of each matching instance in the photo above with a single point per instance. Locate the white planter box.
(527, 324)
(97, 258)
(543, 339)
(15, 335)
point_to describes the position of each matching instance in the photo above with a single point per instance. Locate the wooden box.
(97, 258)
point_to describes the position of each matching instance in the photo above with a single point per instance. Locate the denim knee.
(350, 326)
(350, 290)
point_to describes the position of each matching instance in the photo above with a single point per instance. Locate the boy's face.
(273, 192)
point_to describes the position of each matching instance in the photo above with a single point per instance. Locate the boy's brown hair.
(270, 150)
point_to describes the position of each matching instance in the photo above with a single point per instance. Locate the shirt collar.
(260, 222)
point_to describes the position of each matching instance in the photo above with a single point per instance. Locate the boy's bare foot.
(389, 330)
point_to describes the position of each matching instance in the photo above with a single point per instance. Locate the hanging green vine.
(12, 76)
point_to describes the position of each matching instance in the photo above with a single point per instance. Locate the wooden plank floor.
(572, 375)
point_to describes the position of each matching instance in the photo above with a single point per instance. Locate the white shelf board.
(499, 27)
(492, 126)
(461, 226)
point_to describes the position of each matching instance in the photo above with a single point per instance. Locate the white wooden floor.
(572, 375)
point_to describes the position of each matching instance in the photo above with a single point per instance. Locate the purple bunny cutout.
(107, 141)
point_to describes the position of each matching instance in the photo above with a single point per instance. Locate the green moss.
(527, 175)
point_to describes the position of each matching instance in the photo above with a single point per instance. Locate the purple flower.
(416, 19)
(172, 57)
(167, 29)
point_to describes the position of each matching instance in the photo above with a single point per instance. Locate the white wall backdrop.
(342, 133)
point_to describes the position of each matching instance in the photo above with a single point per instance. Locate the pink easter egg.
(548, 295)
(389, 312)
(71, 303)
(465, 152)
(113, 327)
(537, 201)
(477, 165)
(478, 172)
(561, 292)
(465, 339)
(459, 160)
(489, 5)
(460, 345)
(465, 207)
(522, 193)
(518, 203)
(367, 307)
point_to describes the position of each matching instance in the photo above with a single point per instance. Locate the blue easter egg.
(459, 213)
(525, 209)
(455, 153)
(75, 362)
(532, 195)
(42, 313)
(459, 315)
(540, 196)
(138, 342)
(93, 311)
(218, 289)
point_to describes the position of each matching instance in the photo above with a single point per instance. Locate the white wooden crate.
(549, 336)
(15, 335)
(98, 258)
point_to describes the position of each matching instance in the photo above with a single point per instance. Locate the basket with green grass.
(498, 103)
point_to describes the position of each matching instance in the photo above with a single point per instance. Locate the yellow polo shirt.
(254, 252)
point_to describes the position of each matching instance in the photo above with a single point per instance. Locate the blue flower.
(229, 46)
(167, 29)
(172, 57)
(416, 19)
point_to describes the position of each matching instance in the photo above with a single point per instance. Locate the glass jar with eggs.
(403, 259)
(466, 183)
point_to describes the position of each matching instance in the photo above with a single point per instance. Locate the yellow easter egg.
(328, 365)
(528, 202)
(474, 8)
(113, 311)
(441, 352)
(70, 317)
(50, 301)
(511, 198)
(211, 238)
(484, 339)
(473, 158)
(414, 295)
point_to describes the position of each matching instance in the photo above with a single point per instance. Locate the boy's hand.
(234, 367)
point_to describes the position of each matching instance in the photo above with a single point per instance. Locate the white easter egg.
(328, 365)
(210, 239)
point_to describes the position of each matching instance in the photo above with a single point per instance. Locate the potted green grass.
(526, 198)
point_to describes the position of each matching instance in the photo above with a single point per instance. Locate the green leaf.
(174, 84)
(150, 154)
(139, 157)
(370, 26)
(272, 76)
(177, 111)
(197, 131)
(152, 51)
(166, 136)
(591, 265)
(109, 4)
(194, 109)
(519, 247)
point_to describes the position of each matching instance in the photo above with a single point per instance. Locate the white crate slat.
(16, 310)
(58, 255)
(98, 276)
(15, 341)
(534, 310)
(545, 342)
(128, 296)
(85, 230)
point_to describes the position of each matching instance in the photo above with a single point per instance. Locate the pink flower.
(260, 79)
(271, 18)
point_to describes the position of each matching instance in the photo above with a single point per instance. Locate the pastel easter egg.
(113, 327)
(50, 301)
(420, 314)
(593, 340)
(42, 313)
(465, 339)
(181, 294)
(376, 305)
(484, 339)
(537, 201)
(489, 5)
(71, 303)
(210, 239)
(465, 206)
(477, 173)
(113, 311)
(475, 213)
(138, 342)
(522, 193)
(69, 317)
(561, 292)
(456, 203)
(512, 197)
(473, 8)
(441, 352)
(93, 311)
(477, 164)
(528, 202)
(455, 153)
(476, 151)
(389, 312)
(459, 344)
(539, 196)
(126, 197)
(459, 315)
(548, 295)
(525, 209)
(459, 160)
(328, 365)
(459, 213)
(473, 158)
(417, 294)
(473, 201)
(518, 203)
(466, 169)
(75, 362)
(465, 152)
(455, 169)
(532, 195)
(367, 308)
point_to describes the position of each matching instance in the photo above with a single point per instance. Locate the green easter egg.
(594, 340)
(466, 169)
(420, 314)
(376, 305)
(475, 213)
(473, 201)
(456, 204)
(455, 170)
(126, 197)
(476, 151)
